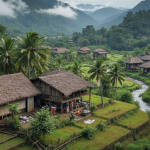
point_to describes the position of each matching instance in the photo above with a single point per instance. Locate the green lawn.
(119, 108)
(4, 137)
(101, 139)
(63, 133)
(96, 99)
(26, 147)
(12, 143)
(135, 120)
(97, 120)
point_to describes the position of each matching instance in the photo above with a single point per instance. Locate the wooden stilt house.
(145, 58)
(146, 68)
(99, 52)
(133, 63)
(84, 51)
(61, 89)
(16, 88)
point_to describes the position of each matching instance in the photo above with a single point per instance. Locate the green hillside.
(45, 24)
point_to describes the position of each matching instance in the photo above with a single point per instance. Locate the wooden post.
(61, 107)
(90, 97)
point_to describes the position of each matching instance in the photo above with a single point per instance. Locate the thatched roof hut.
(133, 63)
(60, 50)
(146, 67)
(16, 86)
(98, 52)
(84, 50)
(145, 57)
(133, 60)
(65, 82)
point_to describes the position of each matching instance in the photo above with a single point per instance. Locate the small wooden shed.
(84, 51)
(133, 63)
(61, 88)
(146, 67)
(98, 52)
(16, 88)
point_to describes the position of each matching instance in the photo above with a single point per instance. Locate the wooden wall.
(30, 104)
(4, 109)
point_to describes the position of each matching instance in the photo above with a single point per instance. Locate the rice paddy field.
(135, 120)
(4, 137)
(114, 110)
(101, 139)
(97, 120)
(96, 99)
(26, 147)
(63, 133)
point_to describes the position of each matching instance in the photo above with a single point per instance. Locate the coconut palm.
(115, 75)
(31, 51)
(76, 69)
(6, 54)
(98, 71)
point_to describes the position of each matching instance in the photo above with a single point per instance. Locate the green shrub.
(101, 126)
(118, 146)
(136, 103)
(126, 97)
(89, 132)
(92, 108)
(13, 123)
(146, 97)
(71, 117)
(141, 144)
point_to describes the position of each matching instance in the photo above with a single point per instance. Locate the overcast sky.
(114, 3)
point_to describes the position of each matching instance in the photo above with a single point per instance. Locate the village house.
(16, 88)
(133, 63)
(99, 52)
(145, 57)
(146, 67)
(84, 51)
(60, 50)
(61, 90)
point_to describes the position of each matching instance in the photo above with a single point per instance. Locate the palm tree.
(115, 75)
(98, 71)
(6, 54)
(76, 69)
(32, 53)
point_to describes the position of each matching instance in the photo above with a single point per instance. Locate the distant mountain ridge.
(44, 23)
(104, 13)
(143, 5)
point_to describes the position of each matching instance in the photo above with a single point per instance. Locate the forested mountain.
(104, 13)
(133, 32)
(44, 23)
(143, 5)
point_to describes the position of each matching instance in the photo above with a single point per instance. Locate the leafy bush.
(92, 108)
(146, 97)
(136, 103)
(101, 126)
(126, 97)
(89, 132)
(122, 63)
(13, 123)
(71, 117)
(118, 146)
(141, 144)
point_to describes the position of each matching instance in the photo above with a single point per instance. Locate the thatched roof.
(65, 82)
(60, 50)
(145, 65)
(133, 60)
(100, 51)
(15, 87)
(84, 50)
(145, 57)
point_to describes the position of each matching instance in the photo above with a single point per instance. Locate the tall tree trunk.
(28, 68)
(33, 71)
(19, 68)
(101, 92)
(116, 89)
